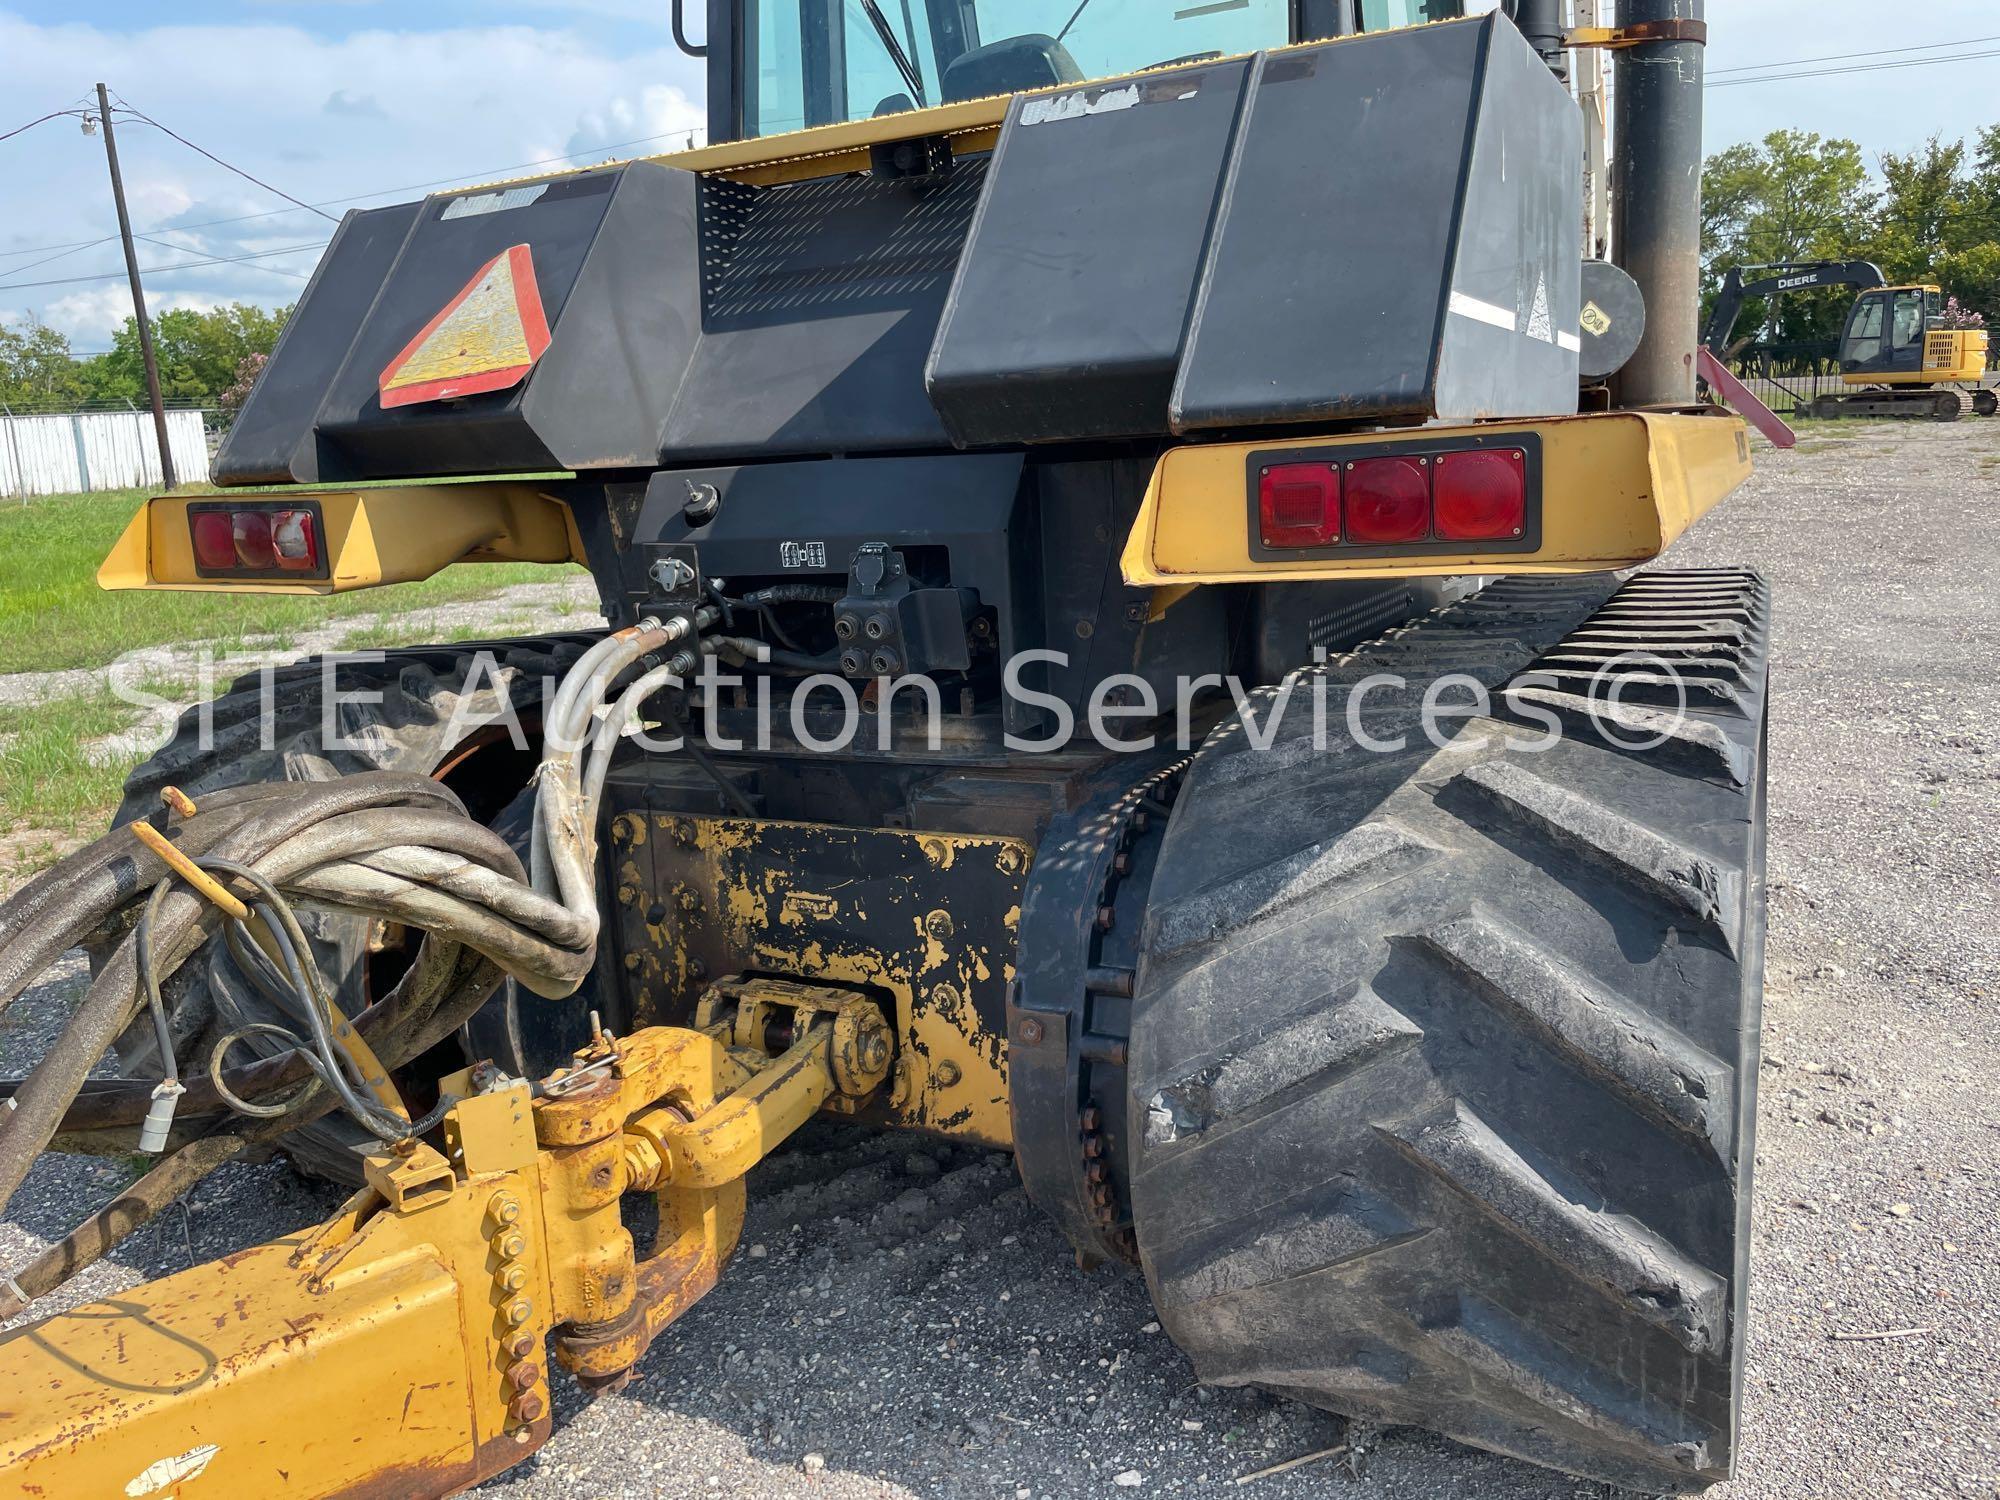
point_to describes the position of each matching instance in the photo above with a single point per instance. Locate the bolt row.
(521, 1380)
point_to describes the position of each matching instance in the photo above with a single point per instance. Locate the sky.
(372, 100)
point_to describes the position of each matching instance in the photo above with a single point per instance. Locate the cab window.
(818, 62)
(1864, 333)
(1909, 319)
(1382, 15)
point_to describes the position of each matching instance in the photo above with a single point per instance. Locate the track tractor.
(1120, 526)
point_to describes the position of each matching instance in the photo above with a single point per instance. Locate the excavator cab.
(1885, 331)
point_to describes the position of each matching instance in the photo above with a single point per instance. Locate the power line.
(230, 166)
(1800, 62)
(1915, 62)
(54, 114)
(186, 265)
(408, 187)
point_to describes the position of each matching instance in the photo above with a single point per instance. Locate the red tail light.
(295, 539)
(250, 540)
(1482, 495)
(1388, 501)
(1298, 505)
(214, 539)
(253, 540)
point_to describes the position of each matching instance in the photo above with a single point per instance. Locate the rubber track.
(1443, 1062)
(403, 710)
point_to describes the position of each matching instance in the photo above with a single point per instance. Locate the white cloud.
(90, 318)
(415, 106)
(658, 110)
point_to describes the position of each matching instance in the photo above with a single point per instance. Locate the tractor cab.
(781, 65)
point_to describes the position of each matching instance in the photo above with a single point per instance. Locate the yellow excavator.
(1897, 353)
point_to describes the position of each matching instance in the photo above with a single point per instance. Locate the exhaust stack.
(1656, 193)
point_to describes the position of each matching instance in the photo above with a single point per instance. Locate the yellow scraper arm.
(400, 1348)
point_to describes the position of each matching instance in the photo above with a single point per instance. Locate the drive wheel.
(1947, 406)
(1986, 402)
(437, 712)
(1443, 1063)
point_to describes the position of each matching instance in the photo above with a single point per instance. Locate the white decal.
(1076, 106)
(471, 205)
(162, 1472)
(1482, 312)
(1539, 324)
(1569, 342)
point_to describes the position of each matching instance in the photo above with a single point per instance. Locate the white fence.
(99, 450)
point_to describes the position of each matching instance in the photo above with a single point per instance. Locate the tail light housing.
(1298, 505)
(286, 539)
(1482, 496)
(1399, 497)
(1388, 500)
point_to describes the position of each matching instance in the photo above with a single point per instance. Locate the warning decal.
(487, 338)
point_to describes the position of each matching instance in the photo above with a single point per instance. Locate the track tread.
(1450, 1125)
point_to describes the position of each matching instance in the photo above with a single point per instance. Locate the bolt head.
(527, 1408)
(1032, 1030)
(520, 1345)
(519, 1312)
(505, 1208)
(525, 1375)
(514, 1278)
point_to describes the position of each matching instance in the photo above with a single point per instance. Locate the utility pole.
(138, 293)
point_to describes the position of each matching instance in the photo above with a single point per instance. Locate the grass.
(419, 630)
(47, 776)
(53, 615)
(56, 781)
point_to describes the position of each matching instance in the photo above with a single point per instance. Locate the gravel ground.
(902, 1323)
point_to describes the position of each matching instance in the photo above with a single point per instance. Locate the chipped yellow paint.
(741, 888)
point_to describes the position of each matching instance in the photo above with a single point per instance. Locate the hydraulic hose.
(384, 845)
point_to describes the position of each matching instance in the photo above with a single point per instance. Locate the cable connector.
(160, 1118)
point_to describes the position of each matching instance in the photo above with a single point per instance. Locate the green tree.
(1969, 268)
(1793, 196)
(1924, 210)
(37, 370)
(199, 353)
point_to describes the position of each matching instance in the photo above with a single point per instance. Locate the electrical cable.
(1799, 62)
(1917, 62)
(190, 265)
(54, 114)
(146, 119)
(462, 178)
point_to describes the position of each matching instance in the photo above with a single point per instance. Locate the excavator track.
(1443, 1061)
